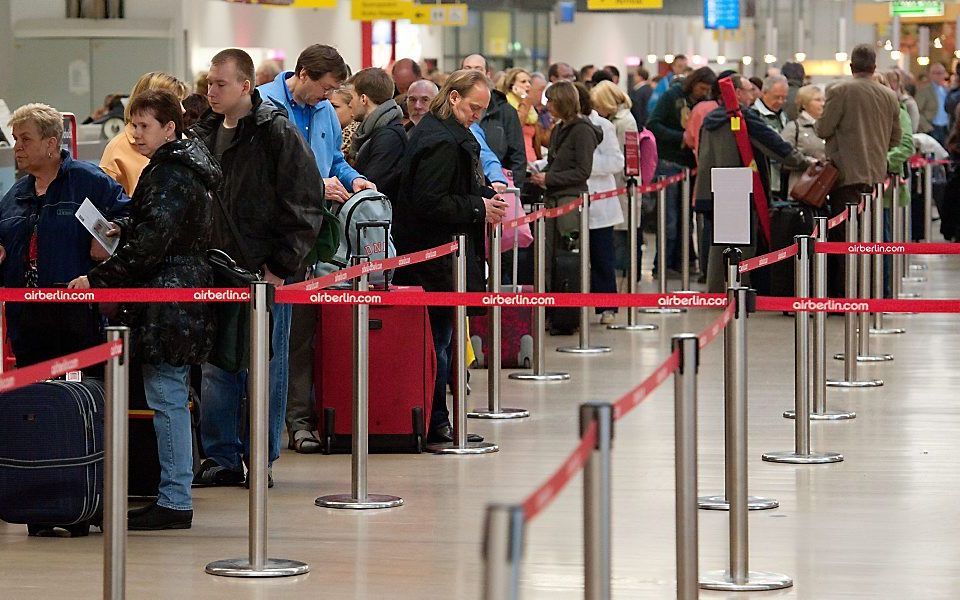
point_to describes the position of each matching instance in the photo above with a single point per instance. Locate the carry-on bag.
(786, 221)
(566, 279)
(516, 340)
(364, 221)
(51, 456)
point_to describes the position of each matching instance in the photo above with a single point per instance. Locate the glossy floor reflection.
(880, 525)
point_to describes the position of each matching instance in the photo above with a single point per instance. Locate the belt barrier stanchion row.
(633, 273)
(802, 453)
(494, 340)
(662, 251)
(927, 233)
(738, 577)
(685, 231)
(358, 498)
(539, 372)
(117, 396)
(257, 563)
(735, 400)
(878, 268)
(850, 344)
(685, 464)
(927, 204)
(899, 262)
(597, 504)
(584, 346)
(906, 219)
(460, 445)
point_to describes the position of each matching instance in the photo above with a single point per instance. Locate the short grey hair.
(538, 75)
(48, 120)
(773, 80)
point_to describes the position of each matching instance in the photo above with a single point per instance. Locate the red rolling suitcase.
(402, 372)
(516, 338)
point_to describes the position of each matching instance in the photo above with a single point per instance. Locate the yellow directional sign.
(623, 4)
(314, 3)
(451, 15)
(373, 10)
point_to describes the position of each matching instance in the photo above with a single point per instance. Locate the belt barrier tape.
(56, 367)
(885, 248)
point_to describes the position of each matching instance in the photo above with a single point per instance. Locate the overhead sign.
(374, 10)
(314, 4)
(624, 4)
(721, 14)
(917, 8)
(449, 15)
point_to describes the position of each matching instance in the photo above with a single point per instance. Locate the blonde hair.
(345, 91)
(157, 81)
(48, 120)
(461, 82)
(806, 94)
(509, 78)
(607, 98)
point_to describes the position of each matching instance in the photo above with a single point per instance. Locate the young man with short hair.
(380, 142)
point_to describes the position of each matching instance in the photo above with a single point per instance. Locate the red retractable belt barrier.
(885, 248)
(56, 367)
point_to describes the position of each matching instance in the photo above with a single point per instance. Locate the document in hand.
(97, 225)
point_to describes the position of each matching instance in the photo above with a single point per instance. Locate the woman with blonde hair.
(800, 134)
(340, 99)
(516, 86)
(121, 159)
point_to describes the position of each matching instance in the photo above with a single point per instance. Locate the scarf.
(381, 117)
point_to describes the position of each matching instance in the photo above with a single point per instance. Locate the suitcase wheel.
(74, 531)
(418, 429)
(326, 441)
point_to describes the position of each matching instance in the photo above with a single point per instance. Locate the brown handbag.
(814, 184)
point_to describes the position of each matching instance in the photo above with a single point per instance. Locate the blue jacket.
(491, 164)
(63, 251)
(319, 126)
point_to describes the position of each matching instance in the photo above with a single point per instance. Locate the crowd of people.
(245, 163)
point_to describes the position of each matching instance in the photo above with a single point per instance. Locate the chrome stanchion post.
(738, 577)
(494, 340)
(927, 204)
(685, 231)
(117, 397)
(597, 502)
(358, 498)
(685, 450)
(502, 551)
(584, 347)
(896, 283)
(633, 273)
(460, 445)
(732, 257)
(850, 319)
(802, 453)
(818, 362)
(896, 271)
(539, 372)
(257, 564)
(662, 253)
(735, 405)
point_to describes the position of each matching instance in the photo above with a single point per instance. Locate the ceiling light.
(800, 56)
(841, 56)
(746, 60)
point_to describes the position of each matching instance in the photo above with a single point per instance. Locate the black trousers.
(836, 263)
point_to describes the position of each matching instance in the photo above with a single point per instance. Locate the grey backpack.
(364, 222)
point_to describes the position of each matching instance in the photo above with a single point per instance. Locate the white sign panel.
(731, 206)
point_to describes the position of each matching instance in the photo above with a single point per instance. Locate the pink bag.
(648, 156)
(522, 234)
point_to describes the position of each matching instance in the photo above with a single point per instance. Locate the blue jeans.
(441, 322)
(223, 413)
(666, 168)
(167, 391)
(279, 371)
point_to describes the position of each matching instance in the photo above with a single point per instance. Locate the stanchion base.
(917, 267)
(720, 503)
(757, 581)
(503, 413)
(914, 279)
(830, 415)
(686, 292)
(861, 383)
(644, 327)
(241, 567)
(908, 295)
(470, 448)
(529, 376)
(887, 331)
(867, 359)
(582, 350)
(662, 311)
(792, 458)
(373, 501)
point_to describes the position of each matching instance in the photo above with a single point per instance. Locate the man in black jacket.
(381, 140)
(271, 192)
(502, 127)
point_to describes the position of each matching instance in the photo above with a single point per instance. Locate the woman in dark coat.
(163, 245)
(442, 193)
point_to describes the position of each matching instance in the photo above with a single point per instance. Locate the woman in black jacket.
(569, 164)
(443, 193)
(163, 245)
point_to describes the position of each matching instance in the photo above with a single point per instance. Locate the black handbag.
(231, 346)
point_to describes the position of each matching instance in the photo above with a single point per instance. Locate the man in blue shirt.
(303, 94)
(930, 102)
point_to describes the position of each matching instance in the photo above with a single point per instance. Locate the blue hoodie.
(319, 126)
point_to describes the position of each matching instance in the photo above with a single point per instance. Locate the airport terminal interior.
(879, 524)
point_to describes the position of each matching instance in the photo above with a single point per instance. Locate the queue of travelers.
(248, 163)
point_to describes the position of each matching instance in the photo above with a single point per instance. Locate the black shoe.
(445, 434)
(154, 517)
(211, 474)
(246, 483)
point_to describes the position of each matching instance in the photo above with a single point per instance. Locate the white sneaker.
(608, 317)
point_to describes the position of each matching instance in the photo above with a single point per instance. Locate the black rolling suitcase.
(51, 456)
(565, 279)
(786, 221)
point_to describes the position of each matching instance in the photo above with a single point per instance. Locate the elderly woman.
(163, 245)
(516, 85)
(42, 244)
(799, 133)
(442, 193)
(121, 159)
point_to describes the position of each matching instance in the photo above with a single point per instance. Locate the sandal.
(304, 442)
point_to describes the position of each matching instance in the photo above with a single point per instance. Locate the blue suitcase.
(51, 456)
